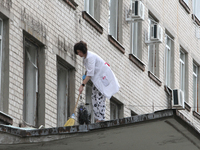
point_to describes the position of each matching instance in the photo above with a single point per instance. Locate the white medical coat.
(101, 74)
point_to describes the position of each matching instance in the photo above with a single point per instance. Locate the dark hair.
(82, 46)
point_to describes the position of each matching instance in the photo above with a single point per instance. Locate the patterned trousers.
(98, 103)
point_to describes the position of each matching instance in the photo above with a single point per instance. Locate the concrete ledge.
(5, 119)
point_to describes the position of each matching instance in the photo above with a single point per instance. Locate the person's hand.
(80, 89)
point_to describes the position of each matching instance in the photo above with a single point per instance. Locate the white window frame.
(182, 71)
(195, 86)
(152, 52)
(113, 18)
(168, 51)
(1, 38)
(62, 95)
(196, 10)
(134, 39)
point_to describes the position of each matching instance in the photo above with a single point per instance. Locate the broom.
(71, 121)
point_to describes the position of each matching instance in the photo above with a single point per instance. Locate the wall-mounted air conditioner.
(135, 12)
(155, 35)
(178, 101)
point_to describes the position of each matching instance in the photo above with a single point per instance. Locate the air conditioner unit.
(135, 12)
(156, 33)
(178, 101)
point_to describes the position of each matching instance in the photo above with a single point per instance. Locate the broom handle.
(76, 103)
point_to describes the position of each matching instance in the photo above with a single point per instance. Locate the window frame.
(168, 58)
(119, 108)
(182, 70)
(1, 51)
(61, 103)
(195, 86)
(196, 15)
(34, 64)
(116, 40)
(153, 51)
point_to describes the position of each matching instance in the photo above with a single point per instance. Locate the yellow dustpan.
(71, 121)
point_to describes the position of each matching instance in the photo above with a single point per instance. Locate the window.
(116, 109)
(1, 34)
(62, 95)
(195, 87)
(31, 83)
(196, 10)
(136, 45)
(65, 91)
(115, 18)
(4, 61)
(89, 101)
(186, 1)
(153, 50)
(93, 8)
(34, 82)
(182, 71)
(168, 51)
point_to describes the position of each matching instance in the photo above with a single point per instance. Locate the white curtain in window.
(113, 18)
(62, 93)
(31, 84)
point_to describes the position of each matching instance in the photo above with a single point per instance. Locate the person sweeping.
(105, 84)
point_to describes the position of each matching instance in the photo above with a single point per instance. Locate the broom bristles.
(70, 122)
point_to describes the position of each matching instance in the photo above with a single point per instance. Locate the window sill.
(137, 62)
(187, 107)
(194, 17)
(154, 78)
(185, 6)
(92, 21)
(196, 114)
(112, 40)
(168, 90)
(71, 3)
(5, 119)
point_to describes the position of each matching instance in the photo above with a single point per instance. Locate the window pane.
(135, 39)
(195, 75)
(113, 111)
(196, 6)
(62, 93)
(186, 1)
(113, 16)
(30, 83)
(1, 25)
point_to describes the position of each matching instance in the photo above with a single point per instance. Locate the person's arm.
(87, 78)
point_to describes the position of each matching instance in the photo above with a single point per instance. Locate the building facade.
(151, 53)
